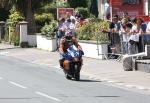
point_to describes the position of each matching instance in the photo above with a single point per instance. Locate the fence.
(116, 46)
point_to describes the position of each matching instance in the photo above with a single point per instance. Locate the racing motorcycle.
(75, 57)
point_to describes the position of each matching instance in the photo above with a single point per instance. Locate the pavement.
(108, 71)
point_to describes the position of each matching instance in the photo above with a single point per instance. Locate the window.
(131, 1)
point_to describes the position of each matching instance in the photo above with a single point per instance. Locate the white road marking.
(47, 96)
(119, 83)
(1, 78)
(111, 81)
(130, 86)
(141, 88)
(3, 53)
(18, 85)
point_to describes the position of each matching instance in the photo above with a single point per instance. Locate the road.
(25, 82)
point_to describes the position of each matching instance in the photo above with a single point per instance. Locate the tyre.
(77, 72)
(77, 76)
(68, 77)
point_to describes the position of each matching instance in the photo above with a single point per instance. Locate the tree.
(27, 7)
(94, 8)
(78, 3)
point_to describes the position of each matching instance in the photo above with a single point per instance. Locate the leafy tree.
(78, 3)
(94, 8)
(25, 6)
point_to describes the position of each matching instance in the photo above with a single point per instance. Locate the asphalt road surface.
(24, 82)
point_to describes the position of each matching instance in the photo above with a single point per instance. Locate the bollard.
(147, 50)
(127, 63)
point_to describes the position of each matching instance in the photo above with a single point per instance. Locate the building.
(147, 7)
(132, 7)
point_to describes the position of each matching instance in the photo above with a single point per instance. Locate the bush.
(94, 20)
(43, 18)
(49, 8)
(86, 32)
(14, 18)
(48, 29)
(17, 41)
(91, 31)
(83, 11)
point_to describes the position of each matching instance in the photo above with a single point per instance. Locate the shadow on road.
(87, 80)
(9, 48)
(108, 96)
(15, 98)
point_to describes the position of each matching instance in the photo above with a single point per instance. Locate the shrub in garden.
(86, 32)
(48, 29)
(91, 31)
(43, 18)
(14, 18)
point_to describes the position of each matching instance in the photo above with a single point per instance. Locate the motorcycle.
(75, 58)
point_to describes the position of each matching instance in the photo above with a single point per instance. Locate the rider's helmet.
(68, 35)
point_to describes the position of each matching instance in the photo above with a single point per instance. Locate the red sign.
(115, 2)
(133, 9)
(62, 12)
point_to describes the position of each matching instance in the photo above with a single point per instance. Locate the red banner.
(115, 2)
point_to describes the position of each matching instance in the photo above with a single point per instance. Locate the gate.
(8, 33)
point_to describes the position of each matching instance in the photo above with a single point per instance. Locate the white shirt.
(125, 34)
(135, 34)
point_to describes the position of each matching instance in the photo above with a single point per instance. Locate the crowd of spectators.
(128, 35)
(69, 24)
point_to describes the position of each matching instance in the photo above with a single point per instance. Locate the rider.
(64, 45)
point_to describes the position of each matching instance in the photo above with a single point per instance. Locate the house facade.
(132, 7)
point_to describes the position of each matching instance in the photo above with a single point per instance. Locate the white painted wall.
(32, 41)
(45, 43)
(90, 50)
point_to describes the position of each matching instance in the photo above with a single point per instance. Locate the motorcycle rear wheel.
(68, 77)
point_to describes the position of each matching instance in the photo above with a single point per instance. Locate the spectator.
(72, 27)
(124, 34)
(114, 35)
(61, 29)
(125, 15)
(136, 31)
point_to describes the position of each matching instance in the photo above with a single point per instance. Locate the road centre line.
(47, 96)
(18, 85)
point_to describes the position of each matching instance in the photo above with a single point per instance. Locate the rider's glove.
(82, 52)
